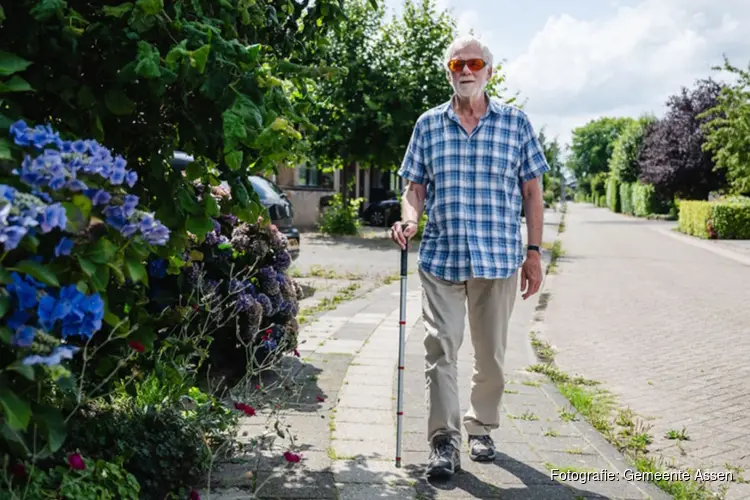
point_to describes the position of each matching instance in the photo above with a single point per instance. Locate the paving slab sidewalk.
(347, 431)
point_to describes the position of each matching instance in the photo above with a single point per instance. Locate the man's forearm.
(534, 208)
(412, 202)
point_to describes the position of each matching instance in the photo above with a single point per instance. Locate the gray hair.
(465, 40)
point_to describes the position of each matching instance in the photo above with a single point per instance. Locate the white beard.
(469, 90)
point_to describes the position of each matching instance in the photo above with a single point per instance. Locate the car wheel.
(377, 218)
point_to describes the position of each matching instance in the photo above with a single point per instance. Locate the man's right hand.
(401, 232)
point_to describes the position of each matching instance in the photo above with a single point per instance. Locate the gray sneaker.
(482, 448)
(445, 458)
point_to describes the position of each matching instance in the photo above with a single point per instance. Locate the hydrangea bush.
(246, 266)
(70, 232)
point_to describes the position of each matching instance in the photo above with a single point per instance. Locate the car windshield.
(265, 190)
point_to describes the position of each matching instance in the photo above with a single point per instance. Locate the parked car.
(280, 209)
(384, 209)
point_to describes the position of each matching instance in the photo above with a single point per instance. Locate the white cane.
(401, 347)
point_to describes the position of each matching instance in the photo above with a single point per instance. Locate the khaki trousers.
(444, 306)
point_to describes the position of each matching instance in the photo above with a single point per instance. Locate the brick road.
(665, 326)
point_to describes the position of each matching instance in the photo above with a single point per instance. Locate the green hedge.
(644, 199)
(724, 219)
(626, 198)
(613, 195)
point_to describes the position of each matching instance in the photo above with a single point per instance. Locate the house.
(309, 189)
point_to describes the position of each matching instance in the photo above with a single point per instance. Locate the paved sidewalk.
(349, 441)
(662, 321)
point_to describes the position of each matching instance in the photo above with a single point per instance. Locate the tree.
(624, 161)
(672, 157)
(728, 133)
(552, 152)
(592, 147)
(220, 80)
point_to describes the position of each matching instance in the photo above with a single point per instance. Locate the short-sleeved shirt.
(474, 196)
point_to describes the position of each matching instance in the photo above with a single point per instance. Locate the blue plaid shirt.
(474, 194)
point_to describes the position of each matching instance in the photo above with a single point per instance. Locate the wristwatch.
(533, 247)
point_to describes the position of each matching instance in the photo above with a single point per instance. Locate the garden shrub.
(75, 478)
(613, 194)
(160, 447)
(644, 199)
(340, 218)
(727, 218)
(626, 198)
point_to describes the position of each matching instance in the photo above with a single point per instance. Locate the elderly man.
(471, 164)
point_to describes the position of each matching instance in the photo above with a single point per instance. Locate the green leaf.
(234, 159)
(15, 84)
(17, 411)
(25, 370)
(87, 266)
(38, 271)
(52, 423)
(199, 226)
(188, 202)
(135, 270)
(5, 153)
(147, 61)
(150, 7)
(138, 250)
(99, 274)
(194, 171)
(11, 63)
(4, 305)
(118, 103)
(200, 57)
(5, 277)
(102, 252)
(212, 206)
(117, 10)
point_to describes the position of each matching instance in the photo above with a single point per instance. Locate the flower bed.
(106, 330)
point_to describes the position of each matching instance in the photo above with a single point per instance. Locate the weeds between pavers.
(621, 427)
(306, 315)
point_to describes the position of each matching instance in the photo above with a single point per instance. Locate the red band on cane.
(400, 367)
(402, 322)
(399, 413)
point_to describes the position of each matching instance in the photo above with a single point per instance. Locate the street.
(662, 324)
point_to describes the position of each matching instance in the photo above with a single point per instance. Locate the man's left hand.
(531, 274)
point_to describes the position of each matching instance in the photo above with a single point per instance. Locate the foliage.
(592, 146)
(551, 180)
(624, 161)
(160, 447)
(728, 134)
(394, 73)
(727, 218)
(80, 478)
(626, 198)
(67, 224)
(613, 194)
(644, 202)
(672, 158)
(341, 218)
(215, 79)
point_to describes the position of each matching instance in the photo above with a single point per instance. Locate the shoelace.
(485, 440)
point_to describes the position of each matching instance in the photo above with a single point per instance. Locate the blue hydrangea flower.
(64, 247)
(53, 216)
(24, 336)
(55, 358)
(98, 197)
(23, 291)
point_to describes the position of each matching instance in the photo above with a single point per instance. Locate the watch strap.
(533, 247)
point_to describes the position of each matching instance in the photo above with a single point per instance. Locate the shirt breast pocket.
(503, 166)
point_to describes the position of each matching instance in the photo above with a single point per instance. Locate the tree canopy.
(728, 134)
(592, 146)
(672, 158)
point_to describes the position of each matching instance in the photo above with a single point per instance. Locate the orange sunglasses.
(457, 65)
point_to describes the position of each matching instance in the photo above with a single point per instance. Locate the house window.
(310, 176)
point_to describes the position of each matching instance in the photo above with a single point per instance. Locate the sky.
(576, 60)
